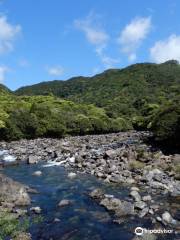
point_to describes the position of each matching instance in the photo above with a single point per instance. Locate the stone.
(166, 217)
(97, 193)
(72, 159)
(136, 196)
(64, 202)
(144, 212)
(135, 189)
(159, 219)
(146, 198)
(110, 153)
(32, 159)
(36, 210)
(22, 236)
(140, 205)
(13, 192)
(57, 220)
(37, 173)
(127, 208)
(120, 208)
(71, 175)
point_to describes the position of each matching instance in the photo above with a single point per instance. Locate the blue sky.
(58, 39)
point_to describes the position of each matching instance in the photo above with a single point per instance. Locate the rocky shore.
(14, 198)
(152, 178)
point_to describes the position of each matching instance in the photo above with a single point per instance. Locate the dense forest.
(142, 96)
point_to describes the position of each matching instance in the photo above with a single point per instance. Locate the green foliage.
(121, 92)
(48, 116)
(142, 96)
(10, 225)
(136, 165)
(166, 124)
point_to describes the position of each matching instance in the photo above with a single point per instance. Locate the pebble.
(36, 210)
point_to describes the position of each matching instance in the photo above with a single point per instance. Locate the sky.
(43, 40)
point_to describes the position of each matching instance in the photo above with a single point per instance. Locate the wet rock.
(20, 212)
(64, 202)
(97, 194)
(32, 159)
(101, 216)
(121, 208)
(36, 210)
(13, 192)
(57, 220)
(37, 173)
(71, 175)
(136, 196)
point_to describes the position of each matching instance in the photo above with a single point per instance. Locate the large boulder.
(120, 208)
(13, 192)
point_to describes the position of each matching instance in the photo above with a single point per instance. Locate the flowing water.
(84, 219)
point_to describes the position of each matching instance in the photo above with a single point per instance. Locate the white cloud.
(166, 49)
(92, 30)
(55, 70)
(133, 34)
(108, 62)
(8, 32)
(3, 71)
(97, 36)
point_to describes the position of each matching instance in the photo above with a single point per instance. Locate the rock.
(109, 196)
(100, 216)
(159, 219)
(100, 174)
(140, 205)
(120, 208)
(146, 198)
(97, 193)
(64, 202)
(135, 195)
(111, 204)
(36, 210)
(32, 159)
(22, 236)
(37, 173)
(145, 236)
(135, 189)
(72, 159)
(166, 217)
(20, 212)
(144, 212)
(13, 192)
(127, 208)
(110, 153)
(57, 220)
(71, 175)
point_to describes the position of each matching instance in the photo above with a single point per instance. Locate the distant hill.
(119, 91)
(4, 89)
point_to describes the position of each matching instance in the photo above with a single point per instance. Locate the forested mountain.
(142, 96)
(120, 92)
